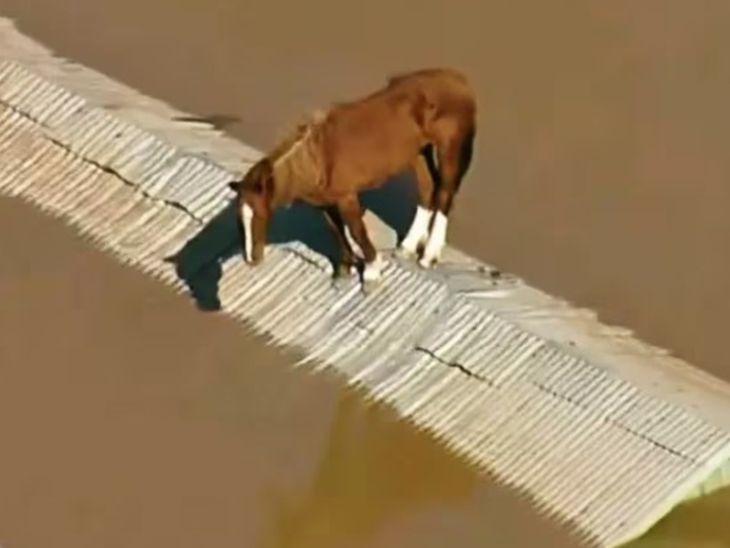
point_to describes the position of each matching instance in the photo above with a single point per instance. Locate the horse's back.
(382, 133)
(446, 76)
(441, 84)
(442, 99)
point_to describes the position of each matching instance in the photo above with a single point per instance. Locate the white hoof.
(373, 271)
(417, 234)
(405, 252)
(371, 274)
(426, 262)
(436, 241)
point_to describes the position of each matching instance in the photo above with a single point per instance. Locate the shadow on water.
(199, 262)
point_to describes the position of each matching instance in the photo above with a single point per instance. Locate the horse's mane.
(309, 123)
(299, 156)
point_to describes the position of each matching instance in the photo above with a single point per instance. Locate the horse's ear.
(235, 186)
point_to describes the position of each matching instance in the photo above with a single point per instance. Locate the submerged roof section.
(600, 430)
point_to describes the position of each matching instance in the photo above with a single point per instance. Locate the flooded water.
(601, 175)
(128, 418)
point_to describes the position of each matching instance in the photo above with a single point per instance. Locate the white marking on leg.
(247, 214)
(373, 270)
(353, 244)
(436, 240)
(418, 233)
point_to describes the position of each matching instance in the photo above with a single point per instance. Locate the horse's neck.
(295, 172)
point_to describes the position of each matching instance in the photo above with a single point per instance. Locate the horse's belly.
(380, 163)
(318, 197)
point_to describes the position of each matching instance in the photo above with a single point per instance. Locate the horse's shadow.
(199, 262)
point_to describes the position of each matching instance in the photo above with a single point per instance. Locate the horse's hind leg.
(347, 258)
(418, 232)
(454, 158)
(352, 214)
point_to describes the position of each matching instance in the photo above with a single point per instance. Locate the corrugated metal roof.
(600, 430)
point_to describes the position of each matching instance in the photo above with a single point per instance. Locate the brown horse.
(424, 120)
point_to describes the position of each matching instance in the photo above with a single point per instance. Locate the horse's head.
(254, 194)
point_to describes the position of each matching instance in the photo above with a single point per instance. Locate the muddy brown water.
(130, 419)
(601, 175)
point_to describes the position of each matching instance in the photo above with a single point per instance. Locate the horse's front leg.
(352, 215)
(346, 264)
